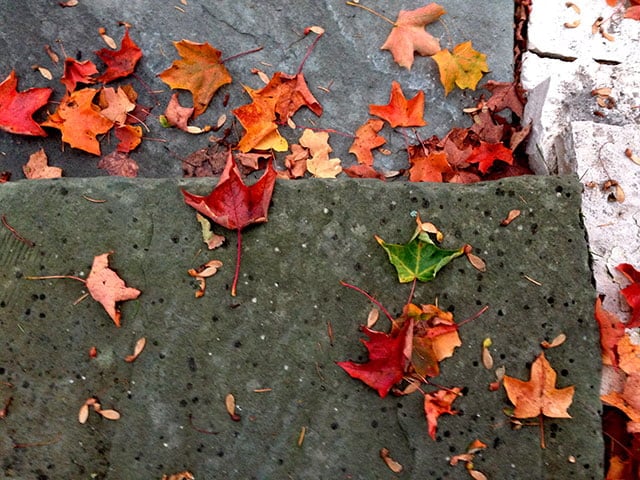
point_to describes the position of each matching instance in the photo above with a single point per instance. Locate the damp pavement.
(274, 345)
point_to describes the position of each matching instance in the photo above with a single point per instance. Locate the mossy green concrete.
(274, 334)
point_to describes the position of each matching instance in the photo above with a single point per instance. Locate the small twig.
(373, 12)
(376, 302)
(56, 277)
(474, 316)
(236, 276)
(541, 423)
(15, 232)
(198, 429)
(308, 52)
(413, 290)
(241, 54)
(38, 444)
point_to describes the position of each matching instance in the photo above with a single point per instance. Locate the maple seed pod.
(511, 216)
(573, 24)
(109, 414)
(230, 403)
(140, 344)
(83, 414)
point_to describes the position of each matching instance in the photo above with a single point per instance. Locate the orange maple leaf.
(367, 139)
(400, 112)
(258, 119)
(200, 71)
(408, 34)
(107, 288)
(130, 137)
(539, 396)
(116, 104)
(290, 93)
(17, 108)
(438, 403)
(80, 121)
(37, 167)
(462, 68)
(611, 331)
(431, 167)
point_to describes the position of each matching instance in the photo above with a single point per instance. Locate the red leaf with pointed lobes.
(290, 93)
(387, 359)
(232, 204)
(120, 63)
(400, 112)
(17, 108)
(487, 153)
(77, 72)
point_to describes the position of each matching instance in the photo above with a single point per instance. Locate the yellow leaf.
(462, 68)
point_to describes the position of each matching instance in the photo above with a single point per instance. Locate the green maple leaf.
(420, 258)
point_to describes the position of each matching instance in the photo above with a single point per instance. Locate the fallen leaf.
(363, 171)
(234, 205)
(504, 95)
(631, 293)
(400, 112)
(120, 63)
(129, 136)
(420, 258)
(186, 475)
(387, 360)
(137, 350)
(199, 71)
(320, 165)
(409, 35)
(539, 395)
(115, 104)
(77, 72)
(212, 240)
(259, 120)
(289, 93)
(431, 167)
(176, 114)
(394, 466)
(366, 140)
(556, 342)
(439, 403)
(296, 161)
(17, 108)
(107, 288)
(629, 354)
(119, 164)
(486, 154)
(462, 68)
(80, 121)
(37, 167)
(632, 12)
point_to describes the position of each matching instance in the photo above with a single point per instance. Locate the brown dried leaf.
(137, 350)
(556, 342)
(394, 466)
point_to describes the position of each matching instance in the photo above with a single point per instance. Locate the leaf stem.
(474, 316)
(413, 290)
(376, 302)
(237, 55)
(234, 285)
(373, 12)
(308, 53)
(541, 423)
(54, 277)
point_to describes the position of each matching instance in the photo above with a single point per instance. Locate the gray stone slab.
(348, 60)
(274, 333)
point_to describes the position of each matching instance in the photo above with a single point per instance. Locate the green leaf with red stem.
(234, 205)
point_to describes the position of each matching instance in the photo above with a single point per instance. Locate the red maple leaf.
(17, 108)
(120, 63)
(387, 358)
(631, 293)
(77, 72)
(234, 205)
(487, 153)
(400, 112)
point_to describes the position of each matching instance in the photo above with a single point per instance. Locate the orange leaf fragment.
(409, 35)
(486, 154)
(186, 475)
(77, 72)
(539, 395)
(438, 403)
(366, 140)
(137, 350)
(462, 68)
(37, 167)
(107, 288)
(433, 167)
(400, 112)
(199, 71)
(130, 137)
(611, 332)
(259, 120)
